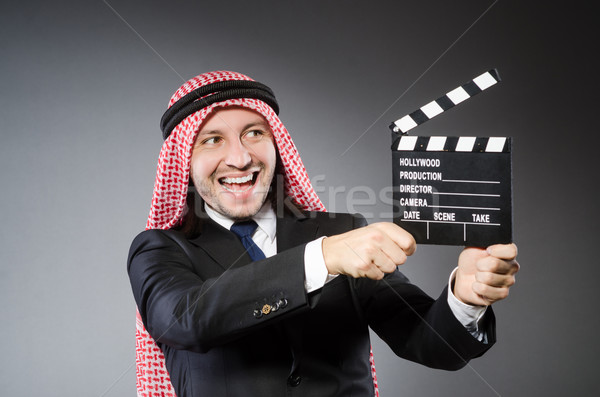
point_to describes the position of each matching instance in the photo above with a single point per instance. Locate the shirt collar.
(265, 218)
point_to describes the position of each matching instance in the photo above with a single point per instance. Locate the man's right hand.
(370, 251)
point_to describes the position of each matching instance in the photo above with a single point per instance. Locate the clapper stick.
(452, 190)
(446, 102)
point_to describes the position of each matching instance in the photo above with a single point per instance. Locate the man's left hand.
(484, 276)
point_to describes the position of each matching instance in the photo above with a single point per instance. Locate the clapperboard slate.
(452, 190)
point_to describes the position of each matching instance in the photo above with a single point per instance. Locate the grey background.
(82, 95)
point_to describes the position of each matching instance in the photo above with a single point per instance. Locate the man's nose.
(238, 155)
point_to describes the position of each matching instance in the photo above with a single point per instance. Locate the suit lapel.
(226, 249)
(221, 245)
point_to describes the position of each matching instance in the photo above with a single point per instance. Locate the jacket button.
(257, 313)
(294, 380)
(266, 309)
(282, 303)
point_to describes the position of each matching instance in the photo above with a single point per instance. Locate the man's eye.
(211, 141)
(254, 134)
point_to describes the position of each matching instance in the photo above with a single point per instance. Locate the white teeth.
(237, 191)
(242, 179)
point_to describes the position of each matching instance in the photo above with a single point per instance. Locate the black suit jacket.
(232, 327)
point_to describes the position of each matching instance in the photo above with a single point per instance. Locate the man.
(282, 309)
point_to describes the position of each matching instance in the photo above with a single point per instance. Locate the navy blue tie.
(244, 230)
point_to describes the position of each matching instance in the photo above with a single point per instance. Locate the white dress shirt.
(316, 276)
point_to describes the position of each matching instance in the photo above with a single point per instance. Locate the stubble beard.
(208, 190)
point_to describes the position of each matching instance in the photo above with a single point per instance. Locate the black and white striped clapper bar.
(445, 102)
(453, 190)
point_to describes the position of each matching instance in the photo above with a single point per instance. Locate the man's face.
(233, 161)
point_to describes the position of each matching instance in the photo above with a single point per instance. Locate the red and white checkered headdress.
(171, 186)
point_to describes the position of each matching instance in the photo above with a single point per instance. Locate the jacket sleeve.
(414, 325)
(186, 311)
(419, 328)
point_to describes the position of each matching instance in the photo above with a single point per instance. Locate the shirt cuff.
(315, 271)
(469, 316)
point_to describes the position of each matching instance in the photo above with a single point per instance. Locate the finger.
(366, 269)
(401, 237)
(503, 251)
(382, 260)
(370, 261)
(374, 273)
(494, 265)
(392, 251)
(494, 279)
(376, 246)
(475, 252)
(488, 293)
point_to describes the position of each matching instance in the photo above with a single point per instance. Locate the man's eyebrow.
(258, 123)
(208, 132)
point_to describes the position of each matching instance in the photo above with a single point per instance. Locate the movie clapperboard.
(452, 190)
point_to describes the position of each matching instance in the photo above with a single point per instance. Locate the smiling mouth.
(239, 184)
